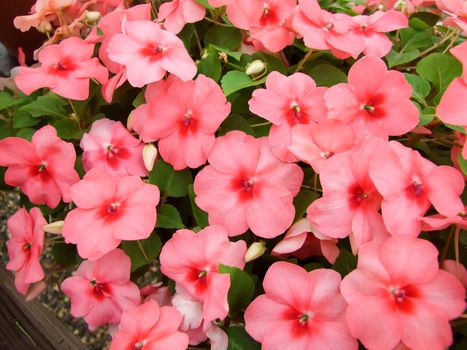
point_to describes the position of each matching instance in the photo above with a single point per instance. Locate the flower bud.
(255, 67)
(92, 17)
(45, 27)
(54, 227)
(255, 251)
(149, 156)
(35, 289)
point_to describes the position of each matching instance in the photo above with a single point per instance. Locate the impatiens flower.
(192, 260)
(440, 222)
(43, 168)
(65, 69)
(398, 294)
(109, 210)
(350, 203)
(148, 52)
(323, 30)
(409, 183)
(246, 186)
(316, 143)
(42, 12)
(101, 290)
(300, 310)
(177, 13)
(25, 247)
(457, 11)
(302, 240)
(375, 102)
(110, 145)
(150, 327)
(456, 269)
(285, 102)
(184, 116)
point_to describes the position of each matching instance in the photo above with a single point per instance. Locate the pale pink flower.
(246, 186)
(25, 247)
(375, 102)
(300, 310)
(42, 13)
(148, 52)
(110, 145)
(409, 183)
(43, 169)
(109, 210)
(184, 117)
(398, 294)
(192, 260)
(150, 327)
(287, 101)
(101, 290)
(65, 69)
(177, 13)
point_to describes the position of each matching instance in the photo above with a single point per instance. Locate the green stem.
(142, 250)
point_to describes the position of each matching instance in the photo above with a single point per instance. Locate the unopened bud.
(255, 251)
(35, 289)
(54, 227)
(255, 67)
(149, 156)
(92, 17)
(45, 27)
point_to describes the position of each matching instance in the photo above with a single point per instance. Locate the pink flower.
(316, 143)
(456, 11)
(398, 294)
(109, 145)
(285, 102)
(409, 183)
(42, 12)
(101, 290)
(109, 210)
(150, 327)
(65, 69)
(323, 30)
(375, 102)
(246, 186)
(177, 13)
(372, 28)
(440, 222)
(300, 310)
(25, 247)
(192, 260)
(302, 240)
(184, 116)
(350, 203)
(457, 270)
(148, 52)
(43, 168)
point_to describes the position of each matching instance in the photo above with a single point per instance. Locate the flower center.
(42, 167)
(329, 26)
(139, 344)
(417, 189)
(27, 246)
(112, 208)
(399, 294)
(248, 185)
(368, 108)
(303, 318)
(187, 118)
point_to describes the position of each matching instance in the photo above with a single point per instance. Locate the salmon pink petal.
(325, 296)
(341, 102)
(178, 62)
(366, 227)
(370, 262)
(29, 80)
(445, 185)
(367, 75)
(216, 305)
(402, 215)
(102, 191)
(451, 108)
(76, 288)
(15, 151)
(377, 44)
(105, 271)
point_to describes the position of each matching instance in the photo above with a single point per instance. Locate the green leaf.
(47, 105)
(430, 19)
(142, 252)
(412, 39)
(462, 163)
(236, 122)
(170, 182)
(234, 54)
(239, 339)
(236, 80)
(345, 262)
(210, 66)
(205, 3)
(440, 69)
(227, 37)
(201, 217)
(242, 288)
(327, 75)
(427, 115)
(139, 99)
(420, 87)
(26, 133)
(168, 217)
(7, 100)
(417, 23)
(68, 129)
(23, 119)
(301, 202)
(64, 254)
(456, 128)
(397, 58)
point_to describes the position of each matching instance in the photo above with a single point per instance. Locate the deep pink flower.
(148, 52)
(350, 203)
(184, 116)
(409, 183)
(246, 186)
(398, 294)
(285, 102)
(375, 102)
(109, 210)
(65, 69)
(110, 145)
(43, 168)
(192, 260)
(177, 13)
(316, 143)
(150, 327)
(300, 310)
(25, 247)
(101, 290)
